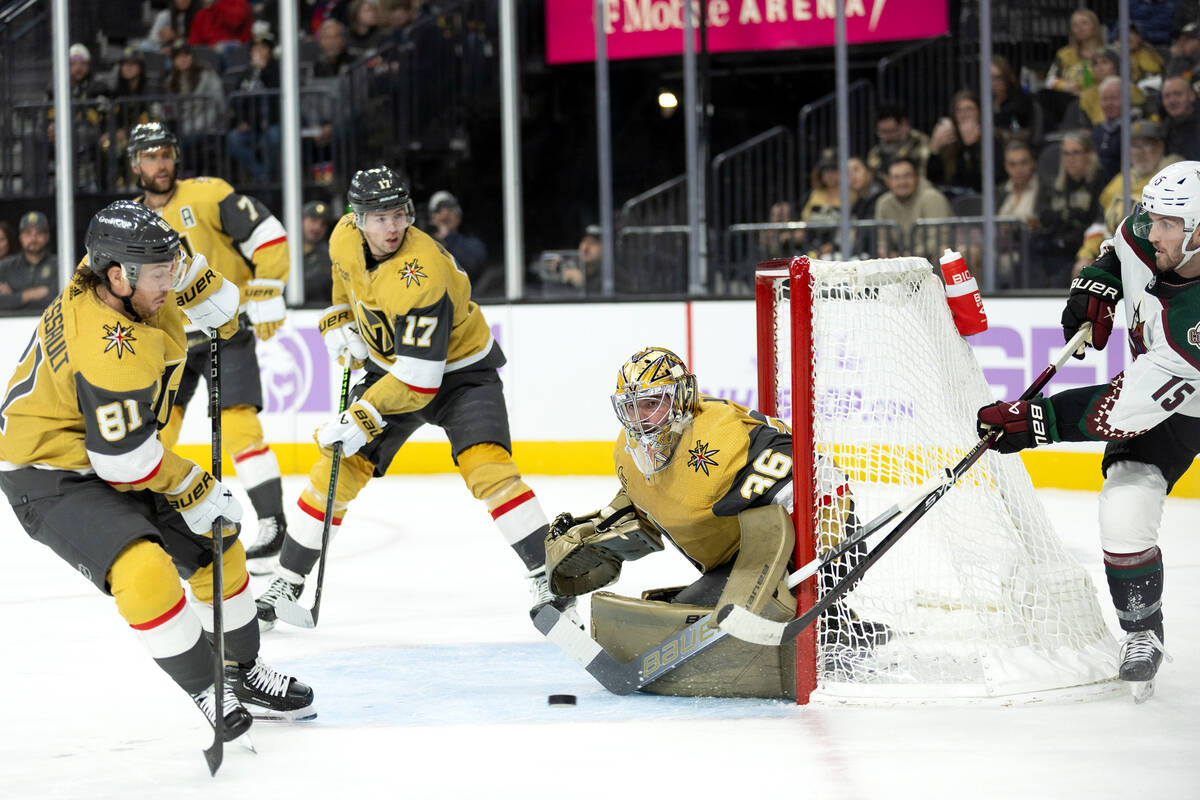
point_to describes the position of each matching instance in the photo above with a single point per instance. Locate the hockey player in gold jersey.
(82, 464)
(403, 307)
(715, 479)
(248, 246)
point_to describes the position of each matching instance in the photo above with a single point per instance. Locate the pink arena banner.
(644, 28)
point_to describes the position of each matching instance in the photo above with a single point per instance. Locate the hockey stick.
(288, 610)
(623, 678)
(216, 752)
(749, 627)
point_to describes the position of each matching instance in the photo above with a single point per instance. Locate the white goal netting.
(980, 599)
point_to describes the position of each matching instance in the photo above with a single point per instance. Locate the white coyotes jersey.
(1164, 338)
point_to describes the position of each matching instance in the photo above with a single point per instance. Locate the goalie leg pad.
(760, 567)
(628, 627)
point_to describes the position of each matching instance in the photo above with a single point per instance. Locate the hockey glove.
(1093, 298)
(200, 499)
(1022, 424)
(208, 300)
(340, 334)
(357, 425)
(263, 301)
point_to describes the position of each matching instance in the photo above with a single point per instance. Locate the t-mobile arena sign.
(643, 28)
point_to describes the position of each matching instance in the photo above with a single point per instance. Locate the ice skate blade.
(264, 626)
(245, 741)
(1142, 690)
(264, 714)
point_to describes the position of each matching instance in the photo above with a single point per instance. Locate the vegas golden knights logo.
(376, 328)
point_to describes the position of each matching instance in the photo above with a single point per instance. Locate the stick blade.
(214, 754)
(741, 624)
(294, 614)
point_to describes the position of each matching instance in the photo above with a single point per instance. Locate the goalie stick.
(749, 627)
(624, 678)
(289, 610)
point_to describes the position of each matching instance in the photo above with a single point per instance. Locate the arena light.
(667, 102)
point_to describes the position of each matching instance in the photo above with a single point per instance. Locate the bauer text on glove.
(340, 334)
(357, 425)
(264, 306)
(1022, 424)
(200, 499)
(208, 300)
(1093, 298)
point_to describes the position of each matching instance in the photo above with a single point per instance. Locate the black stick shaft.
(215, 753)
(329, 499)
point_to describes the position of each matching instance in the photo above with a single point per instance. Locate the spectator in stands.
(821, 207)
(897, 139)
(865, 189)
(1106, 134)
(197, 105)
(1145, 62)
(1153, 18)
(1147, 155)
(585, 274)
(907, 200)
(364, 34)
(221, 22)
(29, 279)
(779, 243)
(1185, 52)
(170, 25)
(1013, 109)
(446, 217)
(1105, 64)
(333, 59)
(1181, 132)
(318, 277)
(956, 150)
(1071, 70)
(254, 139)
(89, 103)
(8, 238)
(1068, 209)
(1017, 196)
(322, 10)
(130, 106)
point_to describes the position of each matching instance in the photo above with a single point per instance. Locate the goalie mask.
(655, 401)
(1173, 192)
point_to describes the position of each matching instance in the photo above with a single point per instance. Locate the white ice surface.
(431, 683)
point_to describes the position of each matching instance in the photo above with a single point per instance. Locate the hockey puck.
(561, 700)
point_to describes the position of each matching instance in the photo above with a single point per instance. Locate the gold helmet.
(655, 401)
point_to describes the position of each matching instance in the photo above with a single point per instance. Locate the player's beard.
(163, 185)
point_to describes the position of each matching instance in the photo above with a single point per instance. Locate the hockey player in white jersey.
(1149, 414)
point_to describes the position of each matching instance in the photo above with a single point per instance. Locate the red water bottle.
(962, 295)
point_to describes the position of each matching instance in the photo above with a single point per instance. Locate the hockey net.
(980, 599)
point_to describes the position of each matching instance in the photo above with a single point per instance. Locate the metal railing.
(921, 77)
(746, 181)
(1013, 267)
(817, 127)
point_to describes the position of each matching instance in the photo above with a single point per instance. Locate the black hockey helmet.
(378, 189)
(129, 234)
(150, 136)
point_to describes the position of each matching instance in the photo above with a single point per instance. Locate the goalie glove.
(354, 427)
(341, 337)
(263, 302)
(208, 300)
(583, 555)
(1023, 424)
(201, 499)
(1093, 298)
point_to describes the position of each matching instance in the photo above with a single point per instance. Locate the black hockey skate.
(280, 588)
(267, 693)
(237, 718)
(1141, 654)
(262, 555)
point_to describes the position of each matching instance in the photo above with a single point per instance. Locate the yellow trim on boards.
(1048, 468)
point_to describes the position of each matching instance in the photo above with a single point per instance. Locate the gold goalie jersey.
(731, 459)
(91, 390)
(415, 312)
(236, 233)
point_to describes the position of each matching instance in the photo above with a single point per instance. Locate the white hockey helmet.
(1173, 192)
